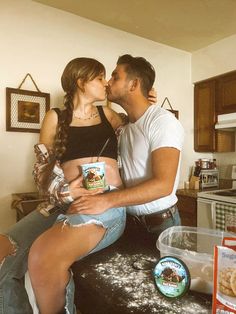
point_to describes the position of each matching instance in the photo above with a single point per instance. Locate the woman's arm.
(43, 151)
(48, 129)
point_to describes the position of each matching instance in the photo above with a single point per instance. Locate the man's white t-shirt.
(156, 128)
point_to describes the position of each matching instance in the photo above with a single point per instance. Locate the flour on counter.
(138, 288)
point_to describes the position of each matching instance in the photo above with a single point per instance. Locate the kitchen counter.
(187, 205)
(187, 192)
(223, 184)
(108, 282)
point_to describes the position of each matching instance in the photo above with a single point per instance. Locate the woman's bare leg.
(50, 257)
(6, 247)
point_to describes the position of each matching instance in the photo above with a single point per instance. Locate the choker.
(93, 115)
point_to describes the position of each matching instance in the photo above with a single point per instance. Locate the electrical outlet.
(234, 172)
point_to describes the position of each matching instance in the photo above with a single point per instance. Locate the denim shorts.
(113, 220)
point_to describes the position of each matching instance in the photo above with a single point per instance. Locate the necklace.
(93, 115)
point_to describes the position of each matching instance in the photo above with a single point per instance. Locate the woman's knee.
(39, 259)
(44, 255)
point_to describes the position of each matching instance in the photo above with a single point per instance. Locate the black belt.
(159, 217)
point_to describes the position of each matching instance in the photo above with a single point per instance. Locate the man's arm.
(164, 168)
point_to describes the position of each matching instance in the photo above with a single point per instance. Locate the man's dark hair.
(141, 68)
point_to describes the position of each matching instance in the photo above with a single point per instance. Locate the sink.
(231, 192)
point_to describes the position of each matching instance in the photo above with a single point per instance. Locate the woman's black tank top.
(87, 141)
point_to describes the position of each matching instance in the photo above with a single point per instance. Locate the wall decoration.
(25, 109)
(175, 112)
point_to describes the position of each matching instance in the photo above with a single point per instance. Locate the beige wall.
(40, 40)
(214, 60)
(210, 61)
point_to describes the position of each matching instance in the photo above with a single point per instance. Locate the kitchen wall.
(211, 61)
(40, 40)
(214, 59)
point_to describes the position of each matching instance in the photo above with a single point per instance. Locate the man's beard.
(114, 99)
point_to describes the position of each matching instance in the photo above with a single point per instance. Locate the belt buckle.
(168, 213)
(164, 215)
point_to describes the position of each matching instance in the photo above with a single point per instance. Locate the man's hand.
(77, 190)
(90, 205)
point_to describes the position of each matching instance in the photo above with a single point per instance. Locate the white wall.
(40, 40)
(214, 59)
(210, 61)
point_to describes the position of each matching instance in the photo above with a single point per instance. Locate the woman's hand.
(152, 96)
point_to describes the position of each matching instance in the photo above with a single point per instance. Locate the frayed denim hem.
(14, 248)
(70, 291)
(91, 221)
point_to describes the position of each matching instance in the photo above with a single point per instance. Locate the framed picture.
(175, 112)
(25, 110)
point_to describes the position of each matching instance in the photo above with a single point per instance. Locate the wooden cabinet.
(226, 93)
(204, 116)
(187, 206)
(212, 97)
(25, 203)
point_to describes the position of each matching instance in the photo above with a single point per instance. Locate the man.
(150, 147)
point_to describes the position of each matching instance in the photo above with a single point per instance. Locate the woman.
(79, 139)
(75, 137)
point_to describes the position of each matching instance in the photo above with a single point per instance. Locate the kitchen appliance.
(226, 121)
(204, 174)
(217, 210)
(209, 178)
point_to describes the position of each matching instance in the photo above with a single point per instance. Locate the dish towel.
(226, 217)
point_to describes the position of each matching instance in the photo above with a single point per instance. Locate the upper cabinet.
(212, 97)
(226, 93)
(204, 116)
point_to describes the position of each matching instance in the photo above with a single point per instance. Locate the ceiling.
(184, 24)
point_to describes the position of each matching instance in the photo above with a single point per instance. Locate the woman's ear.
(80, 85)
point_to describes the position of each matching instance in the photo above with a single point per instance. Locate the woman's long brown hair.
(85, 69)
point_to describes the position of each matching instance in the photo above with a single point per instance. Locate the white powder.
(138, 289)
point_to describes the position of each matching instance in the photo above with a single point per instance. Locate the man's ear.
(134, 84)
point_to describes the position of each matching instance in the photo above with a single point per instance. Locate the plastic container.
(195, 247)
